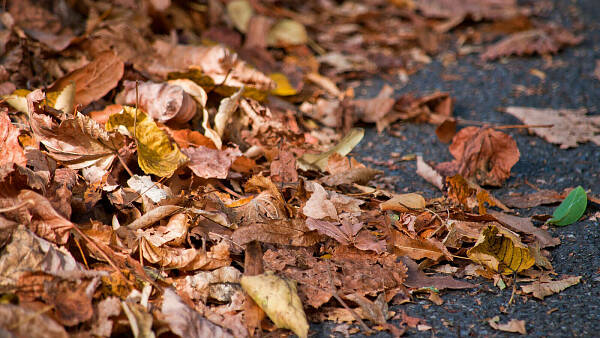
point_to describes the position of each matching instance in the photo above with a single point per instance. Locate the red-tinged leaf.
(9, 143)
(210, 163)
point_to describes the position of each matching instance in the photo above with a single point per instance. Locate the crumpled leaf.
(283, 168)
(210, 163)
(541, 289)
(185, 321)
(318, 205)
(204, 285)
(186, 259)
(404, 203)
(501, 250)
(513, 325)
(287, 232)
(9, 143)
(95, 79)
(484, 155)
(571, 209)
(156, 154)
(28, 323)
(77, 142)
(418, 279)
(161, 101)
(540, 41)
(570, 126)
(373, 110)
(279, 299)
(143, 185)
(319, 161)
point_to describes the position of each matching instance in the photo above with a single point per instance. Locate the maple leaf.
(484, 155)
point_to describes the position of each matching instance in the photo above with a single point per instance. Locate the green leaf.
(571, 209)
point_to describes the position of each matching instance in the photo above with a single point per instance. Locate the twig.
(81, 252)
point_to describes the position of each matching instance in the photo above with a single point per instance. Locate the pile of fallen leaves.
(154, 181)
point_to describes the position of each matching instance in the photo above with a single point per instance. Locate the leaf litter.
(123, 211)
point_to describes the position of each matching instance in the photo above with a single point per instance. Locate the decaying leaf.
(286, 232)
(482, 154)
(540, 41)
(543, 289)
(22, 322)
(501, 251)
(571, 209)
(95, 79)
(185, 321)
(78, 141)
(279, 299)
(319, 161)
(156, 154)
(210, 163)
(569, 126)
(476, 9)
(418, 248)
(161, 101)
(513, 325)
(186, 259)
(534, 199)
(418, 279)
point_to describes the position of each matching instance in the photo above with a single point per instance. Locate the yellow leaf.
(156, 154)
(284, 88)
(501, 250)
(18, 100)
(279, 299)
(404, 202)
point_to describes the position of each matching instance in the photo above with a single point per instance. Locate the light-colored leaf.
(571, 209)
(156, 154)
(240, 12)
(404, 203)
(66, 99)
(543, 289)
(513, 325)
(279, 299)
(345, 146)
(501, 250)
(226, 108)
(287, 32)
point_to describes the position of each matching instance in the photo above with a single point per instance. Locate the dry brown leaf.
(94, 80)
(542, 289)
(540, 197)
(570, 126)
(72, 301)
(286, 232)
(540, 41)
(418, 279)
(9, 143)
(513, 325)
(418, 248)
(525, 225)
(162, 101)
(373, 110)
(434, 108)
(253, 265)
(77, 142)
(283, 168)
(484, 155)
(186, 259)
(318, 205)
(190, 138)
(28, 323)
(347, 233)
(475, 9)
(404, 203)
(210, 163)
(185, 321)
